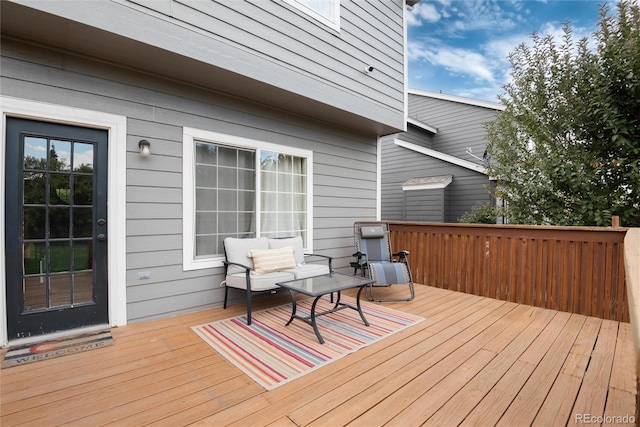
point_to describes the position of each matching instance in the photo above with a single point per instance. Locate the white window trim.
(334, 25)
(117, 187)
(188, 189)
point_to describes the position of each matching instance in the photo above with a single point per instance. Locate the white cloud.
(458, 61)
(423, 12)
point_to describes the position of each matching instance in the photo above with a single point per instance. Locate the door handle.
(102, 221)
(101, 237)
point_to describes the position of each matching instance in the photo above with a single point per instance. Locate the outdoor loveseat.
(257, 264)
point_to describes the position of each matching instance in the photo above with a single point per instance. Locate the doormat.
(273, 354)
(28, 353)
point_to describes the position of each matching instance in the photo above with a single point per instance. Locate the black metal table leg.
(313, 319)
(293, 307)
(359, 307)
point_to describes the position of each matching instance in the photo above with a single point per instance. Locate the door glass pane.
(35, 261)
(35, 153)
(35, 223)
(59, 290)
(60, 189)
(60, 155)
(83, 190)
(58, 222)
(82, 256)
(35, 293)
(82, 222)
(83, 157)
(83, 287)
(59, 257)
(35, 188)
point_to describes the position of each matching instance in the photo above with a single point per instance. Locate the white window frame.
(190, 135)
(331, 23)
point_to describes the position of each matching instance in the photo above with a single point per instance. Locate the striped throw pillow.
(270, 260)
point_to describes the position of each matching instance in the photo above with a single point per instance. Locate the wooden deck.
(474, 361)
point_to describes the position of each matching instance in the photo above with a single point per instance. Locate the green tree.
(566, 149)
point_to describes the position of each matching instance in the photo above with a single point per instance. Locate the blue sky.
(460, 47)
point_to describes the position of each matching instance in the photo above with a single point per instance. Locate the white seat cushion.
(307, 270)
(259, 282)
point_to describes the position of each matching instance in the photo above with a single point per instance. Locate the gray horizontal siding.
(272, 43)
(400, 164)
(459, 125)
(157, 110)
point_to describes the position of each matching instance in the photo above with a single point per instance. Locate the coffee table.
(319, 286)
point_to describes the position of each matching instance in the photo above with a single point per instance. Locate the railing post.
(632, 269)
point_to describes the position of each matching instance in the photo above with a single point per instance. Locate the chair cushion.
(388, 273)
(259, 282)
(295, 242)
(376, 250)
(308, 270)
(270, 260)
(237, 250)
(372, 231)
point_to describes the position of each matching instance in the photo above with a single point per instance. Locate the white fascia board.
(441, 156)
(422, 125)
(459, 99)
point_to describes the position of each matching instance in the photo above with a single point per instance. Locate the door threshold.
(56, 335)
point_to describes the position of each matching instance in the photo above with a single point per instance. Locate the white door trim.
(116, 193)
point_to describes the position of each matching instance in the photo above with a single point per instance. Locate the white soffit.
(422, 125)
(430, 183)
(441, 156)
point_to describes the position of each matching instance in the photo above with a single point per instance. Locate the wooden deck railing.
(632, 265)
(572, 269)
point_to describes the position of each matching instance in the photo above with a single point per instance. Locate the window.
(237, 187)
(325, 11)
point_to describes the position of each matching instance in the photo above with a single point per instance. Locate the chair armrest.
(402, 254)
(327, 257)
(246, 268)
(228, 263)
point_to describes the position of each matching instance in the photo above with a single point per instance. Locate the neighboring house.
(262, 118)
(435, 170)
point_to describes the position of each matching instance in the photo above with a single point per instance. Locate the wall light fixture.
(145, 148)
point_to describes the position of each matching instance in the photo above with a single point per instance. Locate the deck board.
(473, 361)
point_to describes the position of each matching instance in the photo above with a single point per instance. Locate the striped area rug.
(274, 354)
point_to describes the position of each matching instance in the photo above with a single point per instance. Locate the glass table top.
(327, 283)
